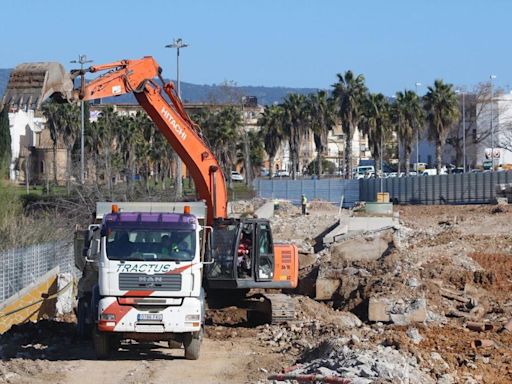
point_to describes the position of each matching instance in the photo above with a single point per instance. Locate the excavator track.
(282, 307)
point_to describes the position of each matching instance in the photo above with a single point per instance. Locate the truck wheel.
(82, 327)
(102, 345)
(192, 344)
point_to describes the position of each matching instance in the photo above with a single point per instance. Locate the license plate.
(149, 317)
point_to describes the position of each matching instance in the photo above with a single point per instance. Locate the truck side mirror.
(93, 252)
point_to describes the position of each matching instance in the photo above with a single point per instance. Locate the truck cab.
(148, 284)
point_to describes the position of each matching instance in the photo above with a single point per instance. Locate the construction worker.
(304, 204)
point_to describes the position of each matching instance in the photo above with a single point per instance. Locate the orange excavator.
(241, 255)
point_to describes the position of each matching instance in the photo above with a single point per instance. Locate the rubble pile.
(432, 299)
(364, 366)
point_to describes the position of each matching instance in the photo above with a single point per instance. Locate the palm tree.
(221, 129)
(107, 123)
(376, 123)
(350, 93)
(271, 122)
(295, 125)
(322, 119)
(410, 114)
(442, 107)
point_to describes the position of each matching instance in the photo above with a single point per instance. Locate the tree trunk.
(319, 163)
(247, 161)
(68, 170)
(348, 154)
(55, 163)
(399, 157)
(407, 160)
(293, 154)
(271, 167)
(438, 155)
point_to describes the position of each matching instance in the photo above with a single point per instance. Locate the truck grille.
(143, 282)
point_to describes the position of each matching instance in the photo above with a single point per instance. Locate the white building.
(499, 138)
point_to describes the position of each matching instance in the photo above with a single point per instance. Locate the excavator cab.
(243, 256)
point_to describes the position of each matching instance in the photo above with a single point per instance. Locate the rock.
(398, 311)
(446, 379)
(414, 335)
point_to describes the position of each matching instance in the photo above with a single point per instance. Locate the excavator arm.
(137, 77)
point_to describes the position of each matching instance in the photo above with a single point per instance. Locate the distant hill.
(196, 93)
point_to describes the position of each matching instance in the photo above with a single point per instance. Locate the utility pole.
(178, 44)
(417, 84)
(82, 59)
(492, 77)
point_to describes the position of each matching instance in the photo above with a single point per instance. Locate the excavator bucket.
(30, 84)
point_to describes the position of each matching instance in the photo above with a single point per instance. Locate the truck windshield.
(150, 244)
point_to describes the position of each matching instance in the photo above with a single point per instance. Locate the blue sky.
(299, 43)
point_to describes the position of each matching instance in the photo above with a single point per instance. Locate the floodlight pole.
(82, 59)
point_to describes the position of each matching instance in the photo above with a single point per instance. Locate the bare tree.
(477, 103)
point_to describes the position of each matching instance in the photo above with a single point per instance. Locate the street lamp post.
(178, 44)
(416, 85)
(492, 77)
(82, 59)
(463, 93)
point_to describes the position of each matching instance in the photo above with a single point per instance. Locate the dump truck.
(141, 278)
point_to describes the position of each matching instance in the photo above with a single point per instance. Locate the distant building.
(477, 135)
(32, 149)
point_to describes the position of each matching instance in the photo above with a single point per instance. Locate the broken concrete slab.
(266, 211)
(398, 311)
(363, 248)
(370, 224)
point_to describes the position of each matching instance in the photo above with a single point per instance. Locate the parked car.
(360, 172)
(264, 172)
(433, 172)
(235, 176)
(282, 173)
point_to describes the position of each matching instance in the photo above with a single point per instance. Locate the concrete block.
(398, 311)
(325, 288)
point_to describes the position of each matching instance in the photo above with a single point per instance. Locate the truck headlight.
(192, 317)
(108, 317)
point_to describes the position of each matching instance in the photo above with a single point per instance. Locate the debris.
(482, 343)
(479, 327)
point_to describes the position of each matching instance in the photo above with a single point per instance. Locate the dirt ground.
(458, 258)
(49, 352)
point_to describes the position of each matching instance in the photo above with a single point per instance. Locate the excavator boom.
(31, 84)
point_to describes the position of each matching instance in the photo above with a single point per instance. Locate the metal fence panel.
(441, 189)
(22, 266)
(324, 189)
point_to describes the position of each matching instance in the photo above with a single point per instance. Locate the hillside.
(197, 93)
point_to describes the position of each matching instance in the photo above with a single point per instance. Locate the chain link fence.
(23, 266)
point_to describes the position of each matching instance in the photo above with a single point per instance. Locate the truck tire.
(83, 326)
(192, 344)
(102, 345)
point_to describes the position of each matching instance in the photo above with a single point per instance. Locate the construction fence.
(332, 190)
(468, 188)
(23, 266)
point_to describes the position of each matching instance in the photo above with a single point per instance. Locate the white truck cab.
(146, 279)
